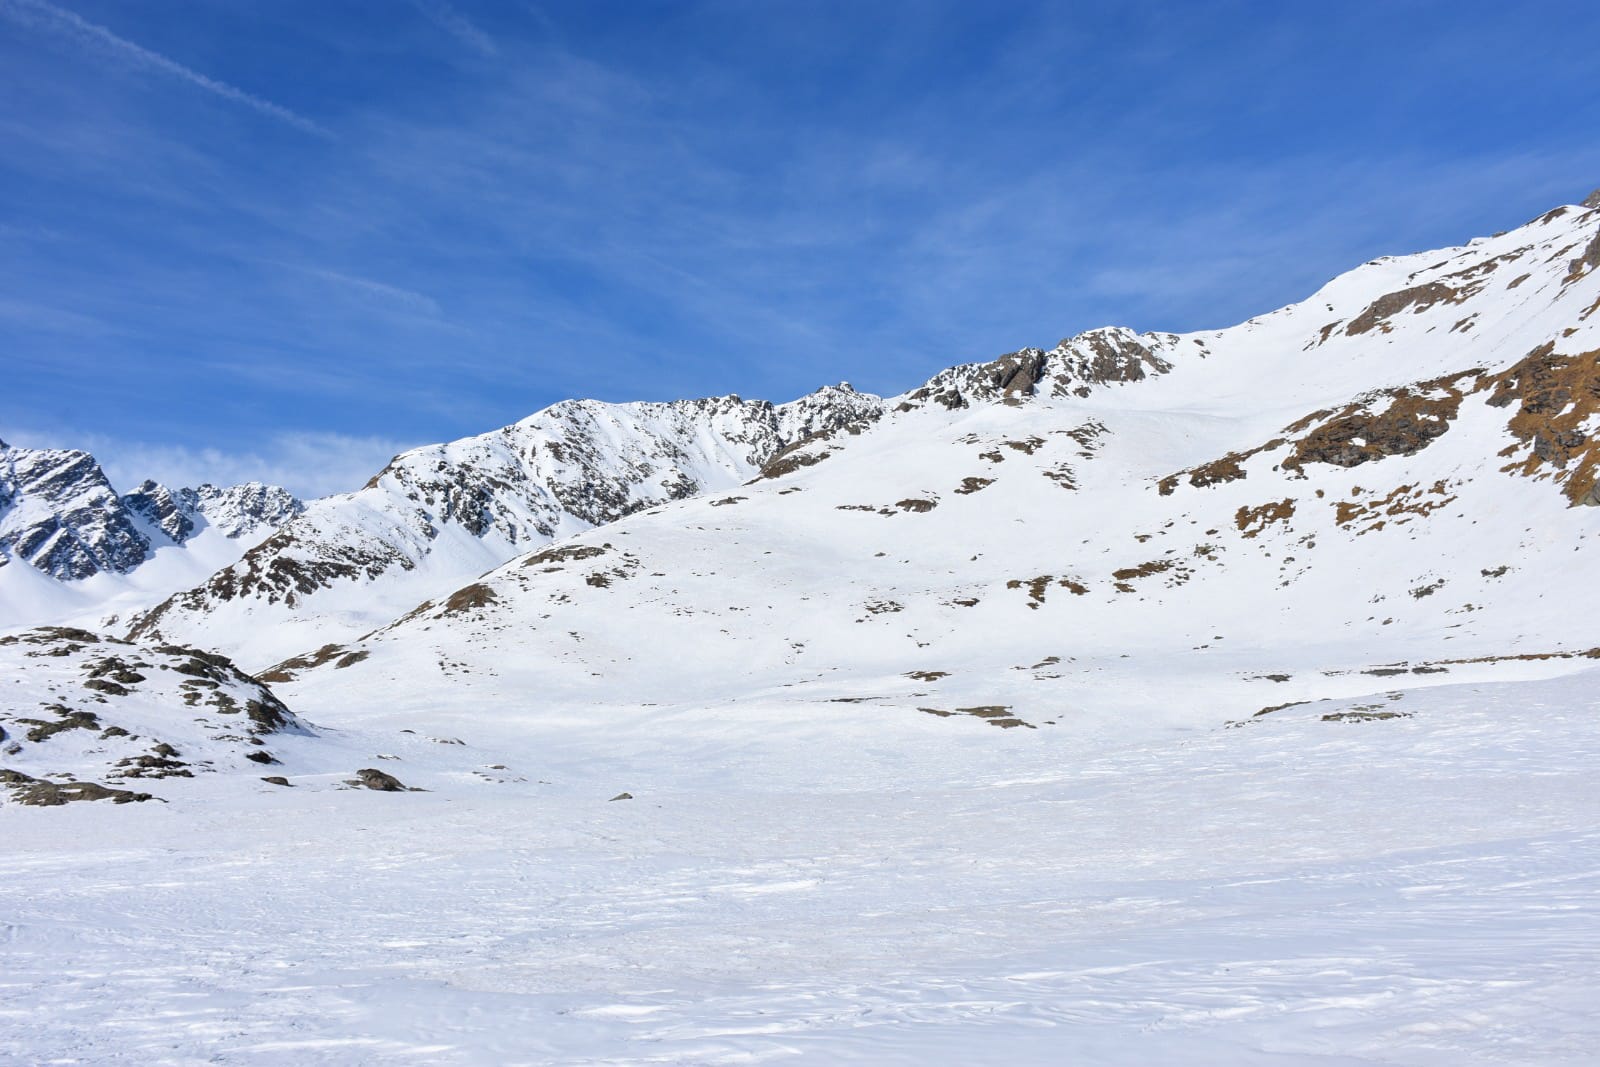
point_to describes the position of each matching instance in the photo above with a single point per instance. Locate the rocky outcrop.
(237, 511)
(1587, 260)
(163, 509)
(82, 706)
(59, 513)
(1418, 298)
(1395, 422)
(1075, 367)
(1557, 401)
(1383, 423)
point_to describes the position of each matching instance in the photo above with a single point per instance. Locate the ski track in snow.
(1411, 891)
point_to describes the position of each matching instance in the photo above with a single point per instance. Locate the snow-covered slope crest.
(439, 514)
(86, 716)
(60, 514)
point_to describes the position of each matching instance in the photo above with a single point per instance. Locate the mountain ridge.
(442, 514)
(1410, 490)
(60, 513)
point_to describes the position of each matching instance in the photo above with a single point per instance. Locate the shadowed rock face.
(163, 509)
(59, 513)
(237, 510)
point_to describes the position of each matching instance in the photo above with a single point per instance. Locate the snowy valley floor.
(1416, 890)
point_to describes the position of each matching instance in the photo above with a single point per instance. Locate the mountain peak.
(60, 513)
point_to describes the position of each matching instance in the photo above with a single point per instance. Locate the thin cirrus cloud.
(396, 296)
(457, 25)
(40, 14)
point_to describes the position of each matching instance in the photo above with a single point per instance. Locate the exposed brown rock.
(1556, 396)
(286, 671)
(993, 714)
(40, 792)
(1400, 506)
(563, 554)
(469, 598)
(1124, 576)
(1420, 297)
(1398, 422)
(1251, 521)
(792, 459)
(1036, 587)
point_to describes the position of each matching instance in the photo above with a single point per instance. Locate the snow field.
(1413, 890)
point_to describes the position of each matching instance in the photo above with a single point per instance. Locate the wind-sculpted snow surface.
(836, 885)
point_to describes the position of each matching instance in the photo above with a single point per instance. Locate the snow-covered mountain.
(1389, 471)
(73, 549)
(1253, 432)
(60, 514)
(438, 515)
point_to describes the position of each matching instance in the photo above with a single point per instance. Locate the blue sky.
(284, 239)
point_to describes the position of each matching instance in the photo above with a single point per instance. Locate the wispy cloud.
(409, 299)
(30, 315)
(457, 25)
(307, 464)
(39, 13)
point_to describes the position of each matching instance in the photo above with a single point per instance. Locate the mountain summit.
(60, 514)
